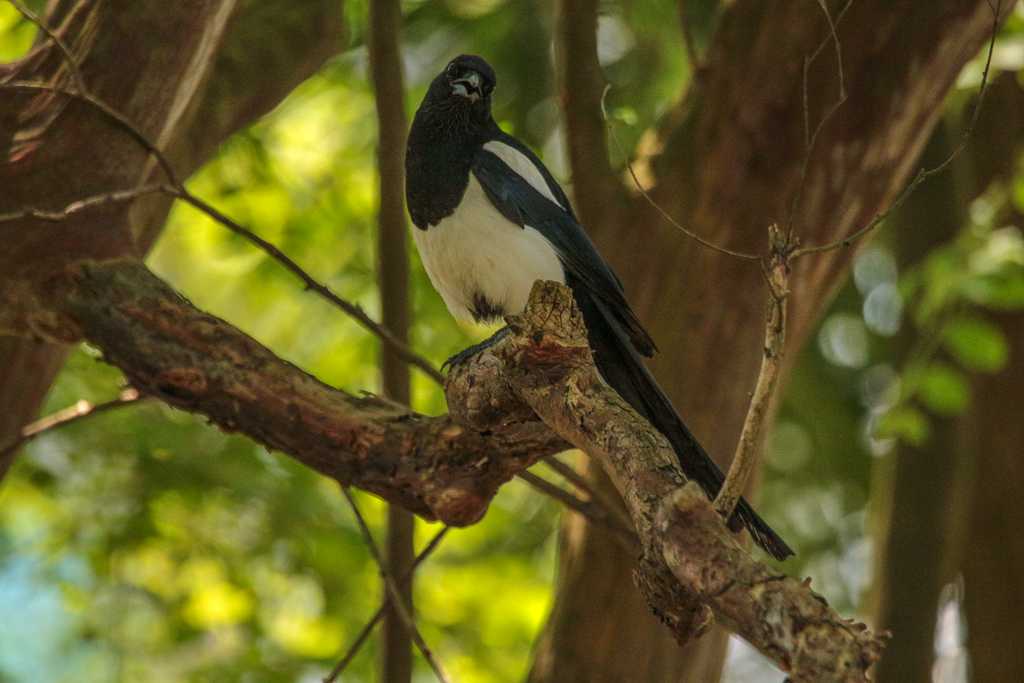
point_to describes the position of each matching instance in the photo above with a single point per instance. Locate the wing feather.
(523, 204)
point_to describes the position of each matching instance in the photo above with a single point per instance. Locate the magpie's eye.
(452, 70)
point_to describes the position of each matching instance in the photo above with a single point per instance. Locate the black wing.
(524, 205)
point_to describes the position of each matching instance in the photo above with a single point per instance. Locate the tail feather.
(624, 370)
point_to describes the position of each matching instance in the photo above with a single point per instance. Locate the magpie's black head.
(462, 92)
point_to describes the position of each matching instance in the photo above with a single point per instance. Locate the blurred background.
(145, 545)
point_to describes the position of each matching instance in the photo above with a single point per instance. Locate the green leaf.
(905, 423)
(977, 344)
(944, 390)
(1001, 291)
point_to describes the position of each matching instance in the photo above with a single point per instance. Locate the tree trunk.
(726, 163)
(992, 561)
(222, 76)
(393, 268)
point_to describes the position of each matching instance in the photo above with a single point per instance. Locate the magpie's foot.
(468, 352)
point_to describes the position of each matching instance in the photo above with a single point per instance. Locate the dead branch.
(591, 509)
(780, 616)
(546, 363)
(364, 633)
(395, 600)
(85, 204)
(744, 461)
(73, 413)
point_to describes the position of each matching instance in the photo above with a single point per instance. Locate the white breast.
(478, 252)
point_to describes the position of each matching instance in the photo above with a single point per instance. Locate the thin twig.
(611, 507)
(176, 189)
(93, 202)
(364, 633)
(391, 587)
(650, 200)
(592, 510)
(570, 474)
(745, 459)
(811, 140)
(356, 311)
(69, 57)
(923, 174)
(73, 413)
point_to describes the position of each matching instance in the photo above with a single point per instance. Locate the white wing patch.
(521, 164)
(476, 251)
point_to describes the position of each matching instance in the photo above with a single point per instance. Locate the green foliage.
(976, 344)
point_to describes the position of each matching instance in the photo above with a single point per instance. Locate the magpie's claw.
(470, 351)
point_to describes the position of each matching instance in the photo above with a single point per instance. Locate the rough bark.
(166, 348)
(726, 163)
(266, 48)
(393, 278)
(992, 561)
(690, 564)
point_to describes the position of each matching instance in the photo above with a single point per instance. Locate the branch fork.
(776, 270)
(690, 566)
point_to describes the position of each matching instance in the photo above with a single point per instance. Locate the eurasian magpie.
(490, 220)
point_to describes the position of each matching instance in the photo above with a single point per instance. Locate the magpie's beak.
(468, 86)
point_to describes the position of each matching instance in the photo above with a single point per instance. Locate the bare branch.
(610, 507)
(74, 413)
(592, 510)
(811, 140)
(923, 174)
(780, 616)
(354, 310)
(745, 459)
(395, 595)
(546, 362)
(94, 202)
(364, 633)
(69, 57)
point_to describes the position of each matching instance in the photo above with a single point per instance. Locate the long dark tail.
(624, 370)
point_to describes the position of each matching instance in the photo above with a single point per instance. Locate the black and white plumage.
(490, 220)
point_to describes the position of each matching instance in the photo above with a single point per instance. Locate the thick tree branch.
(780, 616)
(690, 562)
(434, 467)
